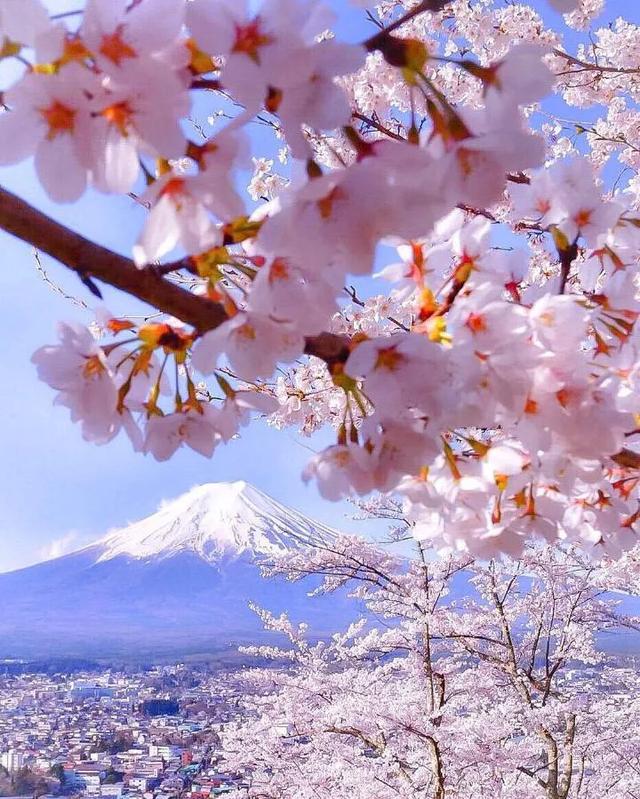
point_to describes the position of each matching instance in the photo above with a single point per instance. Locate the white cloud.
(61, 546)
(14, 554)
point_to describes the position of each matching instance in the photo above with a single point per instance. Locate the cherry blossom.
(179, 215)
(49, 119)
(193, 428)
(252, 342)
(122, 37)
(218, 156)
(420, 240)
(491, 381)
(430, 692)
(339, 471)
(139, 116)
(78, 369)
(518, 78)
(398, 371)
(237, 409)
(318, 102)
(286, 292)
(23, 21)
(273, 58)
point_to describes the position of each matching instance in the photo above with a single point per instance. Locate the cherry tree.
(492, 383)
(461, 679)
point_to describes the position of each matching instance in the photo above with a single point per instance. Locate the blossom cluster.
(493, 386)
(502, 691)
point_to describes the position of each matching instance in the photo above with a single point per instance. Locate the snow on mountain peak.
(215, 520)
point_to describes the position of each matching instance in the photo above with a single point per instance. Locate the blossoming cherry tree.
(492, 383)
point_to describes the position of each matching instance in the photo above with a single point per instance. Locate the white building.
(165, 752)
(12, 759)
(81, 689)
(113, 790)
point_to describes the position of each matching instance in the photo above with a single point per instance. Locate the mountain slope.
(215, 520)
(176, 582)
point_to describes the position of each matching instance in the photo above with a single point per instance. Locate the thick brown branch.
(567, 257)
(88, 259)
(627, 458)
(91, 260)
(206, 83)
(331, 348)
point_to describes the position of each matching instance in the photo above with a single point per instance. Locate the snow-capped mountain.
(217, 520)
(177, 582)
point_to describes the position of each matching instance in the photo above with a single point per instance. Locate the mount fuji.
(176, 583)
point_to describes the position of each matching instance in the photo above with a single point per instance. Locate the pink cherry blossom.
(78, 369)
(220, 156)
(139, 116)
(23, 21)
(179, 215)
(287, 293)
(490, 384)
(49, 119)
(398, 371)
(164, 435)
(339, 471)
(521, 77)
(237, 409)
(318, 101)
(252, 343)
(123, 36)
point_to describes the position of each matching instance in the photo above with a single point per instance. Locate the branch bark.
(627, 458)
(586, 66)
(90, 260)
(379, 40)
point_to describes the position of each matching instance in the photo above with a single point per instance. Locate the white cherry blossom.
(78, 369)
(253, 344)
(179, 215)
(23, 21)
(132, 118)
(123, 36)
(196, 429)
(340, 470)
(50, 120)
(494, 383)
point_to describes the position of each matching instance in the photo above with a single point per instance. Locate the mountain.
(214, 521)
(177, 582)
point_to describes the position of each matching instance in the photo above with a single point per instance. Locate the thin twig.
(54, 286)
(379, 39)
(91, 261)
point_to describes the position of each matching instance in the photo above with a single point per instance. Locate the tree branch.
(627, 458)
(90, 260)
(586, 66)
(380, 39)
(373, 123)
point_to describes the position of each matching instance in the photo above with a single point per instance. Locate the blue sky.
(56, 491)
(52, 483)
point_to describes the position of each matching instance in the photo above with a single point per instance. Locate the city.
(158, 732)
(152, 733)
